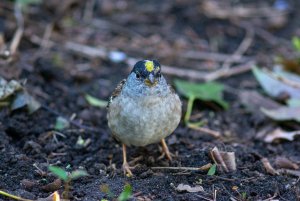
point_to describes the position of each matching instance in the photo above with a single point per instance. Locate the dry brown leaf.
(188, 188)
(225, 160)
(280, 134)
(283, 162)
(269, 168)
(53, 186)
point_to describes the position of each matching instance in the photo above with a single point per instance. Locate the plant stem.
(189, 109)
(13, 196)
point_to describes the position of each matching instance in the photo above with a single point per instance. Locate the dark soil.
(59, 78)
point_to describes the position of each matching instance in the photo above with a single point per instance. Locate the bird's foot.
(136, 159)
(127, 169)
(166, 151)
(168, 155)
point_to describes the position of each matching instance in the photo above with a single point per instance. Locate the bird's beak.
(151, 81)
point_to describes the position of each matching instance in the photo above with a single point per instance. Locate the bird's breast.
(144, 120)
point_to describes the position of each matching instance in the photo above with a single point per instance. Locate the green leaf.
(61, 123)
(210, 91)
(78, 173)
(126, 194)
(212, 170)
(93, 101)
(59, 172)
(244, 195)
(296, 43)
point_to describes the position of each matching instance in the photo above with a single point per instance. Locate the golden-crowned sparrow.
(143, 109)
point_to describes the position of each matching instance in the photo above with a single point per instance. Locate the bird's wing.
(116, 92)
(171, 89)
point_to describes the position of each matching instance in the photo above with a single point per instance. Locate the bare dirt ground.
(59, 75)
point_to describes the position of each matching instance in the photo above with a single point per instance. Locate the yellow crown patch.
(149, 66)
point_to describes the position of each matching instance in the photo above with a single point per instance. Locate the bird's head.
(147, 71)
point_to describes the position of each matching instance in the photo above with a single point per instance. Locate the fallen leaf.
(269, 168)
(296, 43)
(14, 94)
(53, 186)
(212, 170)
(188, 188)
(22, 99)
(283, 113)
(283, 162)
(8, 88)
(278, 84)
(280, 134)
(78, 173)
(210, 91)
(253, 100)
(224, 160)
(126, 193)
(61, 123)
(93, 101)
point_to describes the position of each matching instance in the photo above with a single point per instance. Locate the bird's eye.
(137, 76)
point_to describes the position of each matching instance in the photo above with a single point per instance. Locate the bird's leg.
(126, 167)
(166, 151)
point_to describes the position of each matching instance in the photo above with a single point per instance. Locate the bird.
(143, 109)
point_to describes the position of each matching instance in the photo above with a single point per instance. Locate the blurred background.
(65, 57)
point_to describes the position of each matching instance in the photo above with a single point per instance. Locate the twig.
(92, 52)
(18, 34)
(218, 159)
(45, 41)
(205, 130)
(243, 47)
(222, 73)
(202, 168)
(202, 197)
(264, 34)
(274, 196)
(214, 56)
(13, 196)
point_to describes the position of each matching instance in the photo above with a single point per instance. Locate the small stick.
(202, 168)
(243, 47)
(205, 130)
(46, 36)
(222, 73)
(218, 159)
(214, 56)
(13, 196)
(19, 33)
